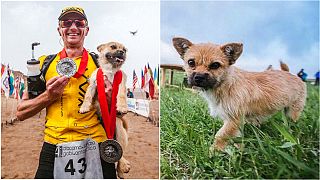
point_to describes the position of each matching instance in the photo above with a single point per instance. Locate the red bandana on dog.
(109, 119)
(83, 63)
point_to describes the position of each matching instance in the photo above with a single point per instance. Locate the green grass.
(177, 77)
(279, 148)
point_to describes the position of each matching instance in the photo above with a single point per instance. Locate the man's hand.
(55, 87)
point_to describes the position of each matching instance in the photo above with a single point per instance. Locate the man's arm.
(30, 107)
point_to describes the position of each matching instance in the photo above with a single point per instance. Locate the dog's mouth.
(116, 59)
(119, 59)
(197, 88)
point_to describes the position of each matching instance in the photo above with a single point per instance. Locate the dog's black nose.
(200, 78)
(203, 80)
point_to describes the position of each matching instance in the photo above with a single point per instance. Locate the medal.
(110, 151)
(82, 66)
(66, 67)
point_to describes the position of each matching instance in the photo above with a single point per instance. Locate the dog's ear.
(100, 47)
(232, 51)
(181, 45)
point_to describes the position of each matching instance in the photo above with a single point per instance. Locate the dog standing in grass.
(232, 93)
(112, 55)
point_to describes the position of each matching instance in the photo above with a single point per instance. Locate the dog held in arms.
(234, 94)
(112, 56)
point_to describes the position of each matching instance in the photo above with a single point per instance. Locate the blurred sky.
(23, 23)
(269, 30)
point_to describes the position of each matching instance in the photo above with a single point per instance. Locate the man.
(301, 74)
(62, 99)
(129, 93)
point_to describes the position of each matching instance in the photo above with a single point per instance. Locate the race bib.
(78, 160)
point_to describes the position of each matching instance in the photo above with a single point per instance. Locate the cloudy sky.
(23, 23)
(269, 31)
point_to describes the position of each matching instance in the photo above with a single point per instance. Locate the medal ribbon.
(109, 119)
(83, 63)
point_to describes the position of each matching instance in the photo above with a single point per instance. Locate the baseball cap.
(73, 9)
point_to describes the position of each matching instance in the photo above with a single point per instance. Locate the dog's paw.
(84, 109)
(120, 175)
(124, 166)
(214, 150)
(219, 144)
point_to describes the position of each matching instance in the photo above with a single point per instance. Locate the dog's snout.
(199, 78)
(203, 80)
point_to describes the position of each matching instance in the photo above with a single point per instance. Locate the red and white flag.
(146, 80)
(149, 84)
(16, 88)
(135, 80)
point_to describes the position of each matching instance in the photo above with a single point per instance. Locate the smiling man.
(71, 140)
(73, 27)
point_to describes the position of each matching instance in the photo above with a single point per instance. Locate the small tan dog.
(232, 93)
(112, 55)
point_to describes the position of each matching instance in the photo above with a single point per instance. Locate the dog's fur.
(112, 55)
(232, 93)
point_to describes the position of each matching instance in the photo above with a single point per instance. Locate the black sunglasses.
(68, 23)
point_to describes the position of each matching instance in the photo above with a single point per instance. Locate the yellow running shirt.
(64, 123)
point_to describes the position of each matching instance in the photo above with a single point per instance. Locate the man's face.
(72, 36)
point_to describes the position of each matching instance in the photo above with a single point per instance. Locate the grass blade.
(294, 161)
(284, 133)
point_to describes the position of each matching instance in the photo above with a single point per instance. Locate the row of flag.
(149, 80)
(11, 85)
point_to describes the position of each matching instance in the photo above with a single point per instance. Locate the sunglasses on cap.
(68, 23)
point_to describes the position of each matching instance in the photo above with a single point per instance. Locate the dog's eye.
(113, 47)
(191, 63)
(214, 65)
(124, 49)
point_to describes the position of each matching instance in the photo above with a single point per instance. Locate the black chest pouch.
(36, 85)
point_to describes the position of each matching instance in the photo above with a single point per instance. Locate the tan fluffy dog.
(232, 93)
(112, 55)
